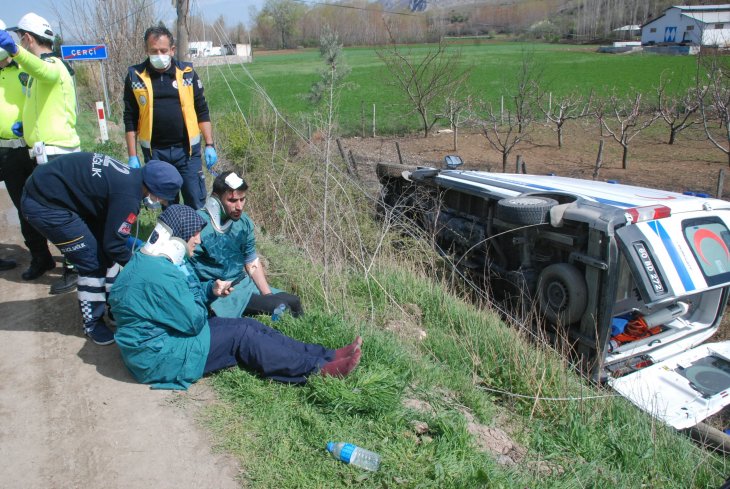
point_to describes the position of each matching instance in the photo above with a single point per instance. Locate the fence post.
(373, 120)
(720, 182)
(501, 111)
(362, 119)
(342, 151)
(397, 148)
(599, 160)
(352, 165)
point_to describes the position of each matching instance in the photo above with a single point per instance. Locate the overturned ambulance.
(636, 278)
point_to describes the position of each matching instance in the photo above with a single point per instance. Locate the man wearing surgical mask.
(166, 113)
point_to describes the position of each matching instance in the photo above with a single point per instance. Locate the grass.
(279, 432)
(287, 77)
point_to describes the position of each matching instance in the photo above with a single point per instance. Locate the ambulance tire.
(562, 294)
(526, 210)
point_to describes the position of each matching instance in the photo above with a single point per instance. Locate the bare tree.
(621, 118)
(566, 108)
(182, 8)
(713, 92)
(424, 80)
(457, 111)
(678, 111)
(284, 14)
(507, 127)
(120, 24)
(502, 130)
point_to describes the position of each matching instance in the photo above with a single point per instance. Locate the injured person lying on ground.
(167, 339)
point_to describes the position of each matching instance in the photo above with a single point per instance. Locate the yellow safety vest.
(12, 97)
(49, 113)
(141, 87)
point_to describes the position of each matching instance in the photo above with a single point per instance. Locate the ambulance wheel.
(562, 293)
(527, 210)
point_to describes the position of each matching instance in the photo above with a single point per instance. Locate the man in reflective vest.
(166, 113)
(15, 164)
(49, 114)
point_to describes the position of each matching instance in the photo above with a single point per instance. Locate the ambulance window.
(709, 240)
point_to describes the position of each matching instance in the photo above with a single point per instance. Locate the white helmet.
(36, 24)
(3, 53)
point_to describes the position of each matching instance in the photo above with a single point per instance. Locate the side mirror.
(453, 162)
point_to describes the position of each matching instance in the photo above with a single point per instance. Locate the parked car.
(635, 278)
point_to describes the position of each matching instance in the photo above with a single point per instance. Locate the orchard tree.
(425, 79)
(678, 111)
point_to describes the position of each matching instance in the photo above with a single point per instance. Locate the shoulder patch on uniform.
(131, 218)
(49, 60)
(23, 77)
(200, 83)
(125, 229)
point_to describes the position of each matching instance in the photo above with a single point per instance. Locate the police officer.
(49, 113)
(166, 112)
(15, 165)
(86, 204)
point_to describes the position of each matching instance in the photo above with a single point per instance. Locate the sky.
(234, 11)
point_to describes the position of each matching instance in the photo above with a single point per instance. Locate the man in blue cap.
(86, 205)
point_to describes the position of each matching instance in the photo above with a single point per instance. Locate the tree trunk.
(182, 7)
(560, 136)
(672, 135)
(505, 155)
(625, 157)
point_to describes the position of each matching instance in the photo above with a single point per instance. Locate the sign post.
(102, 121)
(89, 52)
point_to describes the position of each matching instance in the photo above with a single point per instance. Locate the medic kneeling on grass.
(164, 332)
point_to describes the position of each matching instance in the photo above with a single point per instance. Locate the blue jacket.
(162, 321)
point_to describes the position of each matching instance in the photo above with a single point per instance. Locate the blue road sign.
(86, 52)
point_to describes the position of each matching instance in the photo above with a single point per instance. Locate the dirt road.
(71, 416)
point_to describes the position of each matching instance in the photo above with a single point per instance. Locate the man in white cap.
(15, 164)
(49, 115)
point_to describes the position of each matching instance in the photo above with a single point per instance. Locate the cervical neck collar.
(214, 208)
(163, 243)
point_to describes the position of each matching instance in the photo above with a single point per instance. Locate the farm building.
(705, 25)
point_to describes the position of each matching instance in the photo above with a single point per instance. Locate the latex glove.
(133, 243)
(17, 129)
(133, 162)
(211, 157)
(7, 43)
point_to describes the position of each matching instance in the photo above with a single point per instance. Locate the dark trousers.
(255, 346)
(265, 304)
(81, 244)
(15, 168)
(190, 168)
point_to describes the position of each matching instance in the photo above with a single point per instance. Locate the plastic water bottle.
(354, 455)
(278, 312)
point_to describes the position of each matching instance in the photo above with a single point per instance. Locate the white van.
(635, 278)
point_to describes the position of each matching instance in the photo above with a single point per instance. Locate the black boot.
(39, 265)
(67, 283)
(7, 264)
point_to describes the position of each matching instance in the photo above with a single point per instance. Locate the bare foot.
(348, 350)
(342, 367)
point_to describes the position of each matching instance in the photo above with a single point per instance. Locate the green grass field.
(287, 77)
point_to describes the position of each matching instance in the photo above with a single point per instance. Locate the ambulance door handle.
(651, 343)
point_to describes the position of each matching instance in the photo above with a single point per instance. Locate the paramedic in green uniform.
(49, 112)
(228, 251)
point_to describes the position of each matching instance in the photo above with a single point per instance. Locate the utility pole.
(182, 7)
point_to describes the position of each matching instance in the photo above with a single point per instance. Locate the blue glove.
(17, 129)
(133, 243)
(7, 43)
(211, 157)
(133, 162)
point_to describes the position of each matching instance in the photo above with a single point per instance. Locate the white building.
(200, 48)
(706, 25)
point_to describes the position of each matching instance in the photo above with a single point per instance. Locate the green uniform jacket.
(162, 322)
(12, 97)
(223, 256)
(49, 114)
